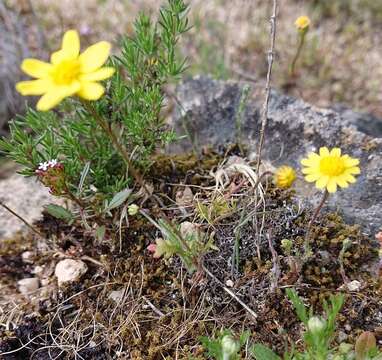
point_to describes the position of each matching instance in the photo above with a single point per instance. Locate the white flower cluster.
(47, 164)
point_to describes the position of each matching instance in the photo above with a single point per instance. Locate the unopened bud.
(316, 325)
(229, 346)
(133, 209)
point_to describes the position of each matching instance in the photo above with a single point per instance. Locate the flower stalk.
(301, 43)
(307, 248)
(302, 24)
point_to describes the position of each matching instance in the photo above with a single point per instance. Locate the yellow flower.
(329, 169)
(68, 73)
(285, 177)
(302, 23)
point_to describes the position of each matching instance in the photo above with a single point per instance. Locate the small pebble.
(28, 286)
(229, 283)
(27, 257)
(69, 270)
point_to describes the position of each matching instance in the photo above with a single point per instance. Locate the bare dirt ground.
(341, 62)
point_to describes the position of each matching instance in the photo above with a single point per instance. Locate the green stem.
(312, 220)
(117, 145)
(297, 55)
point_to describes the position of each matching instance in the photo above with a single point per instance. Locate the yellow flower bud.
(133, 209)
(284, 177)
(302, 23)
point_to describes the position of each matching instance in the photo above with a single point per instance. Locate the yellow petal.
(33, 87)
(310, 170)
(94, 56)
(57, 57)
(70, 48)
(305, 162)
(36, 68)
(98, 75)
(322, 182)
(312, 177)
(332, 185)
(349, 178)
(91, 90)
(341, 181)
(324, 151)
(55, 95)
(350, 162)
(335, 152)
(71, 44)
(353, 170)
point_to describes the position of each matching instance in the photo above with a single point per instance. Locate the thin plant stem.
(297, 55)
(264, 113)
(239, 115)
(312, 220)
(20, 218)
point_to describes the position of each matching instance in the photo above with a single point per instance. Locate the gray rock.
(26, 197)
(208, 114)
(20, 38)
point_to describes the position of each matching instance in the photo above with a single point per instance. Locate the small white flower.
(43, 166)
(53, 163)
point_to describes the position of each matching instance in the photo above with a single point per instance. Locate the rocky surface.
(208, 115)
(20, 38)
(26, 197)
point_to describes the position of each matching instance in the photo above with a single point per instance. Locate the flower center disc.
(66, 71)
(332, 166)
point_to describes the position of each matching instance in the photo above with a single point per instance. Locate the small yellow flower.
(329, 169)
(68, 73)
(284, 177)
(302, 23)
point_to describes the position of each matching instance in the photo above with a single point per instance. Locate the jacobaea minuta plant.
(328, 169)
(302, 24)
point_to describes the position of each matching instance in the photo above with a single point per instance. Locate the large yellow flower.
(329, 169)
(68, 73)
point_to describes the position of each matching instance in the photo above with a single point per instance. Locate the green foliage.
(225, 346)
(150, 61)
(261, 352)
(189, 244)
(318, 334)
(59, 212)
(87, 138)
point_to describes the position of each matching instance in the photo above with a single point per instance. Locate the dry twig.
(264, 112)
